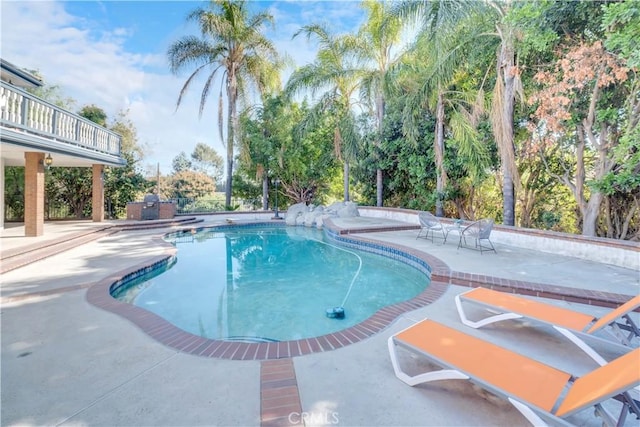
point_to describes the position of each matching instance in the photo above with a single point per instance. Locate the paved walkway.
(66, 362)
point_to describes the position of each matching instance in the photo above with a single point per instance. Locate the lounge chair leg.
(485, 321)
(608, 419)
(616, 332)
(582, 345)
(531, 416)
(443, 374)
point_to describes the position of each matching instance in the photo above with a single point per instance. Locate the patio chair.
(537, 390)
(620, 329)
(478, 231)
(429, 223)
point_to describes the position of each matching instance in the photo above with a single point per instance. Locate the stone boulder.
(310, 216)
(294, 212)
(348, 210)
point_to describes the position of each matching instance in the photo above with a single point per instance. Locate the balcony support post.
(97, 196)
(33, 194)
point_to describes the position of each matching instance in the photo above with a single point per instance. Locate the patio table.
(456, 228)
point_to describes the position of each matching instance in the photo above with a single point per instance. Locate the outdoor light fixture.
(47, 162)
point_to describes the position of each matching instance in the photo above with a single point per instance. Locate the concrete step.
(11, 259)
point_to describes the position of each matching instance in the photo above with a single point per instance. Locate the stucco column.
(97, 200)
(33, 194)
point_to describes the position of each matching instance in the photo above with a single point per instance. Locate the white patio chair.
(430, 223)
(479, 231)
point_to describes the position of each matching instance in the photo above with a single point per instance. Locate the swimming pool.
(269, 284)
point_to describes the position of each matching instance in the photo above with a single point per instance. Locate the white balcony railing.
(30, 114)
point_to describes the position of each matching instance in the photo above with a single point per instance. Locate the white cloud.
(93, 68)
(92, 65)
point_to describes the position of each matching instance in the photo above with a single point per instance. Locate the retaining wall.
(621, 253)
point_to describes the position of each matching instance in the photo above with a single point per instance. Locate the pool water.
(270, 284)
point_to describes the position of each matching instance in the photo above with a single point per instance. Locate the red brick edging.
(159, 329)
(441, 277)
(279, 397)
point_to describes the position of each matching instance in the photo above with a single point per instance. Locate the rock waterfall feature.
(314, 216)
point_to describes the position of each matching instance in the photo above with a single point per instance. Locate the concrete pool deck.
(67, 362)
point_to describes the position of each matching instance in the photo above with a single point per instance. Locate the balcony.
(29, 122)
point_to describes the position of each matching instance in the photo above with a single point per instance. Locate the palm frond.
(474, 153)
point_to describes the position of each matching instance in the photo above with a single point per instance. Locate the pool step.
(12, 259)
(161, 223)
(19, 257)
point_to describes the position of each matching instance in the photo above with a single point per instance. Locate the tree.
(508, 86)
(181, 163)
(126, 183)
(303, 161)
(73, 186)
(621, 21)
(432, 79)
(376, 40)
(576, 105)
(265, 128)
(95, 114)
(207, 160)
(189, 184)
(335, 73)
(232, 47)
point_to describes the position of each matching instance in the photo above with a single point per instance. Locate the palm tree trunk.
(232, 96)
(379, 188)
(441, 176)
(345, 178)
(507, 72)
(265, 191)
(380, 107)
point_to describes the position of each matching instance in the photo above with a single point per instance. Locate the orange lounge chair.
(572, 324)
(540, 392)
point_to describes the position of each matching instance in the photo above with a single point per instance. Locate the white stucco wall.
(609, 251)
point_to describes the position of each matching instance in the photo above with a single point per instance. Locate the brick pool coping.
(441, 277)
(171, 336)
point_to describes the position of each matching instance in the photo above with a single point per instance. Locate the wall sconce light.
(47, 162)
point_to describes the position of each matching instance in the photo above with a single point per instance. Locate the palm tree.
(376, 40)
(508, 86)
(434, 62)
(439, 18)
(457, 113)
(335, 72)
(230, 48)
(265, 127)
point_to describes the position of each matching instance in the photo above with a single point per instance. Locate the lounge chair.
(478, 231)
(430, 223)
(572, 324)
(534, 388)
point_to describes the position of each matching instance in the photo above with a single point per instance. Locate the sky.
(113, 54)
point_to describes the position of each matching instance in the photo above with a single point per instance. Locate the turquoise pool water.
(270, 284)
